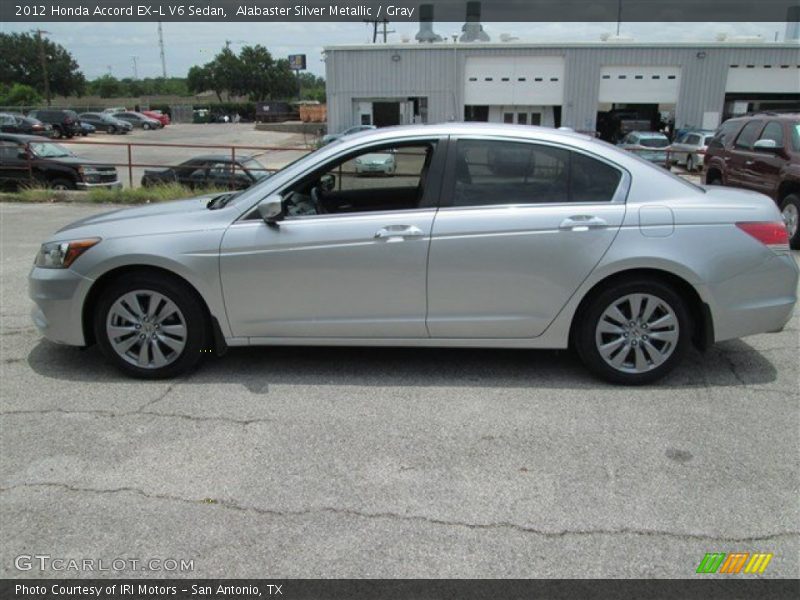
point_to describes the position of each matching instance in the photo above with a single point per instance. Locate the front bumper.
(112, 185)
(58, 296)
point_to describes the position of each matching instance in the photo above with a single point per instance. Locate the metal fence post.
(130, 167)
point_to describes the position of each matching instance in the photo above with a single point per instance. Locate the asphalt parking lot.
(295, 462)
(99, 146)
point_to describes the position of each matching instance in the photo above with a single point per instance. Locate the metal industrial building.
(574, 85)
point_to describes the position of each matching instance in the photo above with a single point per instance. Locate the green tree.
(20, 94)
(21, 63)
(106, 86)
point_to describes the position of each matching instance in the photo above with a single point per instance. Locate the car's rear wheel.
(146, 126)
(634, 332)
(713, 178)
(790, 210)
(690, 163)
(57, 134)
(111, 129)
(151, 326)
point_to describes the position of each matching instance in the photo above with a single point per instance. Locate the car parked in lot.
(158, 116)
(138, 120)
(65, 123)
(379, 163)
(332, 137)
(689, 149)
(31, 160)
(591, 247)
(16, 123)
(649, 145)
(209, 171)
(762, 153)
(87, 128)
(105, 122)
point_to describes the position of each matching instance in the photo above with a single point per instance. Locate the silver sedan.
(488, 236)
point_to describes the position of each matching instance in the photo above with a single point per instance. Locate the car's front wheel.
(634, 332)
(790, 209)
(111, 130)
(146, 126)
(151, 326)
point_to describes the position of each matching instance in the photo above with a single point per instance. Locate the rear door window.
(773, 131)
(748, 135)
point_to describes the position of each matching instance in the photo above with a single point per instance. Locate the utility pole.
(161, 48)
(43, 61)
(135, 68)
(385, 32)
(619, 15)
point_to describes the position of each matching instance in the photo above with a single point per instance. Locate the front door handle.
(398, 232)
(582, 223)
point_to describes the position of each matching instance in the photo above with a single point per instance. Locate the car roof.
(655, 134)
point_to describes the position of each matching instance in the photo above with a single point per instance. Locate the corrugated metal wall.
(383, 72)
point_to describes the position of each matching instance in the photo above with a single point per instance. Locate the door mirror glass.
(271, 209)
(766, 146)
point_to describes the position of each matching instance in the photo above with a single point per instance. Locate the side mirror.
(271, 209)
(766, 146)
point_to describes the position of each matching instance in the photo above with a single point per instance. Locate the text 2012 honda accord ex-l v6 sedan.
(485, 236)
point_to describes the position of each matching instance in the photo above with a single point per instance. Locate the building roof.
(555, 45)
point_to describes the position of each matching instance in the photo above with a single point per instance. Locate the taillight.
(772, 234)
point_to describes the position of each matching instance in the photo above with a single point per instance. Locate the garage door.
(514, 80)
(773, 79)
(640, 84)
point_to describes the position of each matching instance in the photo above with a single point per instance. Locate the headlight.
(60, 255)
(89, 173)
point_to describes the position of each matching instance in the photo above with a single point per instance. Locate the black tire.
(584, 336)
(61, 184)
(792, 200)
(690, 163)
(146, 126)
(197, 327)
(111, 129)
(57, 133)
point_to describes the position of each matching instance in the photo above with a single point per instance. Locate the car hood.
(79, 161)
(153, 219)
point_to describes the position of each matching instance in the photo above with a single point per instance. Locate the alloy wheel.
(146, 329)
(791, 216)
(636, 333)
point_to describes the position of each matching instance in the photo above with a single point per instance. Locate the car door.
(740, 157)
(520, 226)
(14, 165)
(358, 271)
(765, 166)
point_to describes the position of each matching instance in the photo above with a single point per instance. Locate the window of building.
(508, 117)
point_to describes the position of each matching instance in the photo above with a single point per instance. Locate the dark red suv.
(760, 152)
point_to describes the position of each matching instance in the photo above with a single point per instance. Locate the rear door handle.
(398, 232)
(582, 223)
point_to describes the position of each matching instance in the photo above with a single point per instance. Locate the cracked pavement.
(293, 462)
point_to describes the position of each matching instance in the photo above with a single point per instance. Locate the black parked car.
(138, 120)
(65, 123)
(31, 160)
(16, 123)
(210, 171)
(105, 122)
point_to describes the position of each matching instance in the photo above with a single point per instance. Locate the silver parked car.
(649, 145)
(575, 242)
(690, 148)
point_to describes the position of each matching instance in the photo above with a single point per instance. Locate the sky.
(101, 48)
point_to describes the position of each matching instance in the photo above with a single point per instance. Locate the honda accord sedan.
(574, 243)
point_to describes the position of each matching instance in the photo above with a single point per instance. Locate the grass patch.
(142, 195)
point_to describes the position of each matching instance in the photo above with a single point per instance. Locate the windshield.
(47, 150)
(256, 169)
(654, 142)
